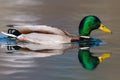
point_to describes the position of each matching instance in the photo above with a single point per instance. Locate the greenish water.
(62, 63)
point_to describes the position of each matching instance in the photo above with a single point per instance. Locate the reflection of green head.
(88, 61)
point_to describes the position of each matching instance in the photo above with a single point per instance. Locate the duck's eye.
(102, 26)
(95, 20)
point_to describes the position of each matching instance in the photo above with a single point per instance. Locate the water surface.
(62, 64)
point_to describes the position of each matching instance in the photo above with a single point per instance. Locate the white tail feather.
(11, 35)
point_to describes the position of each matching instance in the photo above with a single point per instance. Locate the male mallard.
(49, 35)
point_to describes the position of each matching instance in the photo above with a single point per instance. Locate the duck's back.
(46, 38)
(26, 29)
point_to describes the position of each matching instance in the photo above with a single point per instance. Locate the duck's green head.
(90, 23)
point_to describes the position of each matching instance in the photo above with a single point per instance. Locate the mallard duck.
(50, 35)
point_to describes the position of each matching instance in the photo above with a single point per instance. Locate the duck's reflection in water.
(89, 61)
(27, 51)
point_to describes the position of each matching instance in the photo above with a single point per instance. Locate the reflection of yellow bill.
(104, 56)
(105, 29)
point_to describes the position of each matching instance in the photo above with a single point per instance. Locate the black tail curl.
(14, 32)
(10, 25)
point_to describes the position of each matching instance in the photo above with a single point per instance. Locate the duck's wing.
(26, 29)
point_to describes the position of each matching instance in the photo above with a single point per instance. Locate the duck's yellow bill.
(105, 29)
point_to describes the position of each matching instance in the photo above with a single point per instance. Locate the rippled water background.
(64, 14)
